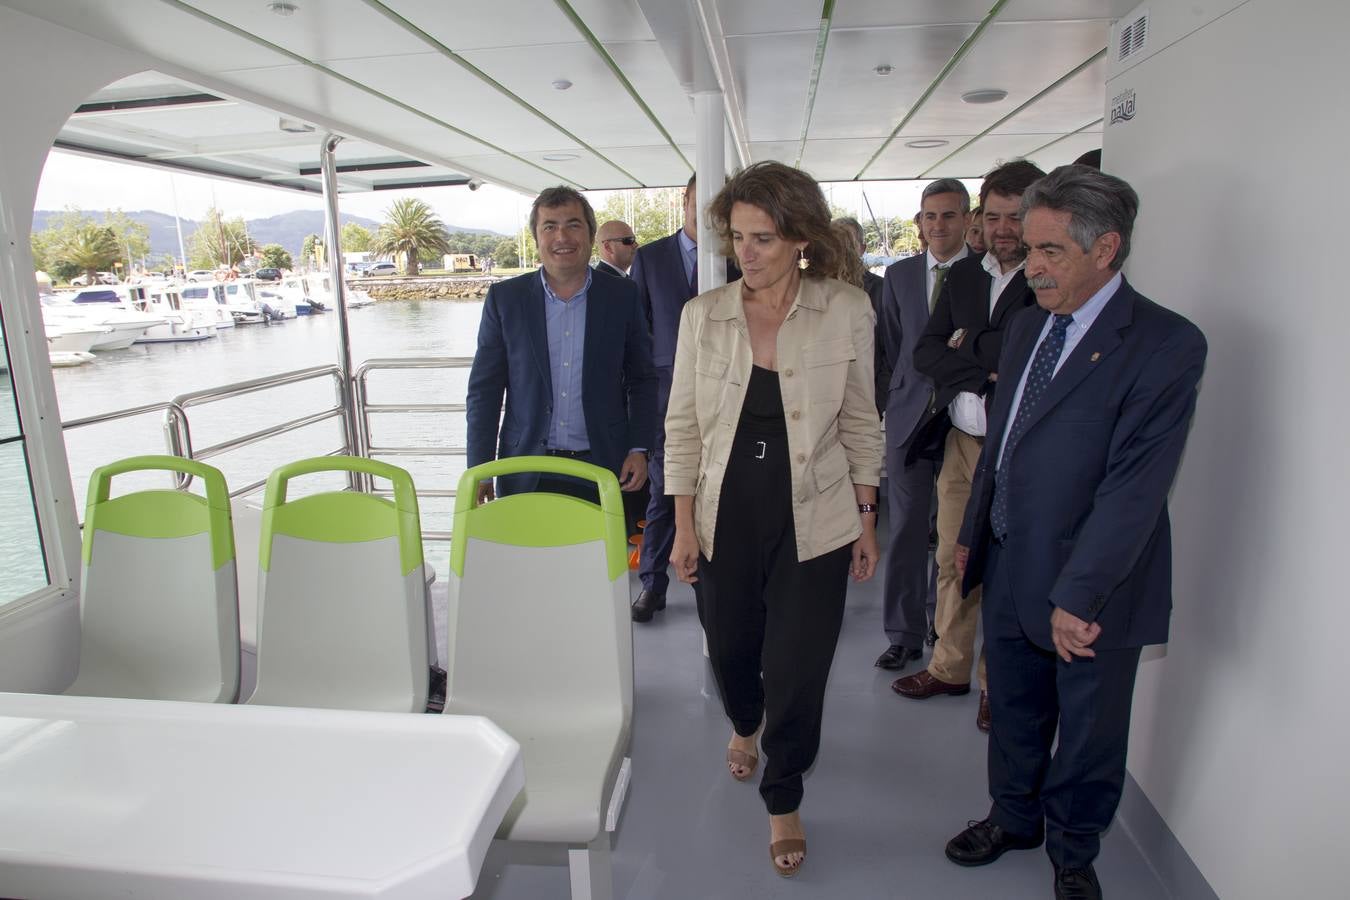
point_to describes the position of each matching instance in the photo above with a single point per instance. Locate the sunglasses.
(626, 241)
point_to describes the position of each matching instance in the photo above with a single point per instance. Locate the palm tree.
(410, 229)
(91, 248)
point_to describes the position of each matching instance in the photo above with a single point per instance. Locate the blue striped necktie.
(1038, 380)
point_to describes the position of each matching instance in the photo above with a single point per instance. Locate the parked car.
(82, 280)
(201, 275)
(381, 268)
(268, 274)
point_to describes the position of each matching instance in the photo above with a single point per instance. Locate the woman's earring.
(802, 261)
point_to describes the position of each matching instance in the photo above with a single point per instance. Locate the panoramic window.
(23, 566)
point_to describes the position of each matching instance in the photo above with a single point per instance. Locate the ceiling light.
(560, 157)
(883, 70)
(283, 9)
(561, 84)
(294, 126)
(927, 143)
(985, 95)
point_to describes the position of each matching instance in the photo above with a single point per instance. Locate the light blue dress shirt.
(565, 321)
(688, 253)
(1083, 318)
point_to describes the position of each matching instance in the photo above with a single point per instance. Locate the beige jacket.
(825, 374)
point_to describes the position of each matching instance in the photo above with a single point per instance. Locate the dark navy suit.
(663, 289)
(1087, 532)
(618, 384)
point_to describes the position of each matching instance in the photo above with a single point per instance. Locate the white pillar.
(710, 163)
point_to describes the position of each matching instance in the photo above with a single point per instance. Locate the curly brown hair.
(793, 200)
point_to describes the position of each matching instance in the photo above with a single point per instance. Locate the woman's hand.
(866, 551)
(684, 555)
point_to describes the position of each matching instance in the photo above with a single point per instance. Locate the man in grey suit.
(911, 285)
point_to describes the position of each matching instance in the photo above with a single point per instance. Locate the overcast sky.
(72, 180)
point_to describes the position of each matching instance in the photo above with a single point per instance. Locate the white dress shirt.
(967, 408)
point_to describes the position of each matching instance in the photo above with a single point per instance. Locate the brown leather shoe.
(922, 685)
(982, 717)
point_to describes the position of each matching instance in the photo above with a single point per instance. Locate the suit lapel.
(1018, 353)
(1013, 297)
(537, 329)
(1100, 341)
(596, 341)
(676, 261)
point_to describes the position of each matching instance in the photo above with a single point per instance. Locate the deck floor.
(895, 779)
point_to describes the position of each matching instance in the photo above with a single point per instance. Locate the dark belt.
(570, 454)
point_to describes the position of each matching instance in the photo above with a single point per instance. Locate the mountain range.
(287, 229)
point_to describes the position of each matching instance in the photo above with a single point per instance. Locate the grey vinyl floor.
(895, 779)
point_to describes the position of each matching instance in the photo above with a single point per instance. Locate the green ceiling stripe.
(494, 84)
(1076, 69)
(308, 63)
(952, 63)
(608, 60)
(1062, 137)
(826, 15)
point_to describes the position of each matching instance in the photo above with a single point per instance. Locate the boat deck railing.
(177, 422)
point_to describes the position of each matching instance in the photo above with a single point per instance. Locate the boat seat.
(342, 618)
(159, 616)
(548, 572)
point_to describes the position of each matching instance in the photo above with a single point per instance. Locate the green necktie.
(940, 275)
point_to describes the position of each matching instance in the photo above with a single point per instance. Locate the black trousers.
(772, 622)
(1073, 793)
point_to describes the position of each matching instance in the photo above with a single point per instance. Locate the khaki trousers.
(957, 617)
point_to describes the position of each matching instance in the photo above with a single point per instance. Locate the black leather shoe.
(931, 639)
(1077, 884)
(647, 604)
(983, 842)
(897, 657)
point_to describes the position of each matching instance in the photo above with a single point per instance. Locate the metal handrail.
(364, 408)
(169, 408)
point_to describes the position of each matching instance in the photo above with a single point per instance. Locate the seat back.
(538, 625)
(159, 615)
(342, 596)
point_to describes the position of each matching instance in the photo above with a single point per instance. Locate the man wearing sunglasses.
(617, 247)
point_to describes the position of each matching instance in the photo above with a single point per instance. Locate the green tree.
(411, 230)
(46, 244)
(652, 214)
(88, 249)
(275, 256)
(132, 236)
(355, 238)
(218, 242)
(310, 249)
(506, 253)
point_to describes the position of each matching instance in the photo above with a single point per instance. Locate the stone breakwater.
(430, 287)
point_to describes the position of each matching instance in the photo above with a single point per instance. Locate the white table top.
(106, 797)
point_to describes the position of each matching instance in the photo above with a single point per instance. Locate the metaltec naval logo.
(1122, 106)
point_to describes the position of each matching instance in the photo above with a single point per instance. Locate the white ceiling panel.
(614, 20)
(655, 166)
(987, 152)
(837, 160)
(781, 151)
(772, 73)
(529, 72)
(586, 169)
(1067, 150)
(1022, 59)
(502, 23)
(1063, 109)
(900, 161)
(881, 13)
(645, 67)
(438, 87)
(332, 29)
(516, 172)
(853, 101)
(1046, 10)
(784, 16)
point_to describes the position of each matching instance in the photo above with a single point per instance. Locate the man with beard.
(959, 351)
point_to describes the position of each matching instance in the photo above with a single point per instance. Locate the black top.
(762, 411)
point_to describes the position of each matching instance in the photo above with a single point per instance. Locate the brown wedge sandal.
(783, 848)
(747, 761)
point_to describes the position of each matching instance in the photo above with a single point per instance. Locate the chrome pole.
(328, 159)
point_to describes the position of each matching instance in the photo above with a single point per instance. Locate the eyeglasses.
(626, 241)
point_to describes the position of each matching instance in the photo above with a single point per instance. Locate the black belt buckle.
(763, 448)
(569, 454)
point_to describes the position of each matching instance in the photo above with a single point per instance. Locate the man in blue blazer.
(570, 352)
(908, 294)
(666, 275)
(1067, 525)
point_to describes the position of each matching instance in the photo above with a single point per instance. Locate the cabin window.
(23, 564)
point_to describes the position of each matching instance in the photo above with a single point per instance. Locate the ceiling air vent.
(1133, 36)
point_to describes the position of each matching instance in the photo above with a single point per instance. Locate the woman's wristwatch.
(867, 507)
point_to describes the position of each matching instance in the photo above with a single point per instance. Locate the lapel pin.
(1095, 357)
